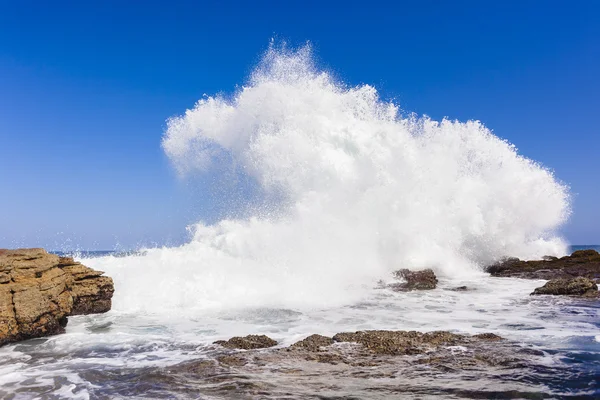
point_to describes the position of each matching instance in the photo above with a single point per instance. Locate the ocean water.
(342, 189)
(118, 354)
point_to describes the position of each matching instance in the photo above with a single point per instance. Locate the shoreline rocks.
(383, 342)
(574, 275)
(38, 291)
(392, 362)
(584, 263)
(313, 343)
(415, 280)
(249, 342)
(579, 286)
(92, 293)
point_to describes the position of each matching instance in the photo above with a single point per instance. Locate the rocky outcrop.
(38, 291)
(314, 342)
(92, 293)
(400, 342)
(375, 341)
(247, 342)
(585, 263)
(319, 363)
(579, 286)
(415, 280)
(485, 367)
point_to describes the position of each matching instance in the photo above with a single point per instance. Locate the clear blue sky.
(86, 87)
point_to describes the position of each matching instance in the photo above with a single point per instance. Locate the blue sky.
(86, 87)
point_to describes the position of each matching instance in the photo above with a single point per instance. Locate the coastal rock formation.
(313, 343)
(248, 342)
(579, 286)
(415, 280)
(394, 363)
(401, 342)
(375, 341)
(92, 293)
(38, 291)
(584, 263)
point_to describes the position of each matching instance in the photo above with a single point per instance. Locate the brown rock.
(399, 342)
(8, 320)
(415, 280)
(92, 293)
(584, 263)
(38, 292)
(579, 286)
(459, 289)
(247, 342)
(232, 360)
(313, 343)
(488, 336)
(360, 372)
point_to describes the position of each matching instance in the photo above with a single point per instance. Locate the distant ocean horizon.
(573, 248)
(125, 253)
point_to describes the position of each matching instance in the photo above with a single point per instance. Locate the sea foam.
(350, 189)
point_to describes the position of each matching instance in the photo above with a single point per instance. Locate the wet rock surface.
(247, 342)
(399, 342)
(92, 293)
(38, 291)
(415, 280)
(459, 289)
(579, 286)
(314, 343)
(584, 263)
(368, 364)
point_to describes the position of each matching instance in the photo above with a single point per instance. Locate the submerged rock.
(488, 336)
(38, 291)
(579, 286)
(232, 360)
(247, 342)
(585, 263)
(415, 280)
(459, 289)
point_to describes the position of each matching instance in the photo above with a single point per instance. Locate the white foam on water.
(123, 340)
(350, 189)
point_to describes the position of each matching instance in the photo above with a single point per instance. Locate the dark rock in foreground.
(247, 342)
(38, 291)
(459, 289)
(492, 337)
(375, 341)
(366, 364)
(399, 342)
(415, 280)
(314, 343)
(585, 263)
(579, 286)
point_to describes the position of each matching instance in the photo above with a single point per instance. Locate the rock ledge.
(38, 291)
(579, 286)
(415, 280)
(585, 263)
